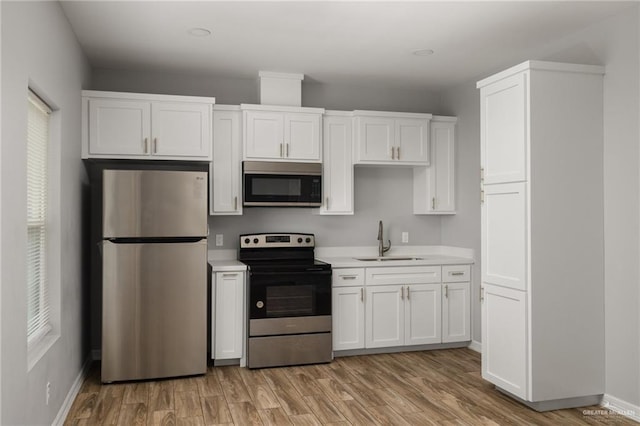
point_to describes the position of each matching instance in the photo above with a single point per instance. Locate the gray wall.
(614, 43)
(229, 90)
(380, 194)
(40, 50)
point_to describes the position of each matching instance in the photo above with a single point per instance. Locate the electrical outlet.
(48, 392)
(219, 240)
(405, 237)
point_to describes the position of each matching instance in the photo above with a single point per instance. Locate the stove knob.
(255, 241)
(299, 240)
(247, 241)
(308, 240)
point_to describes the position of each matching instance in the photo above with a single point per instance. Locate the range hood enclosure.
(282, 89)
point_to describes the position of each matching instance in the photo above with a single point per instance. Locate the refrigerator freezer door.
(154, 315)
(154, 203)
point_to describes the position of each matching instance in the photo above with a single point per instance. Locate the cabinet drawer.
(343, 277)
(456, 273)
(403, 275)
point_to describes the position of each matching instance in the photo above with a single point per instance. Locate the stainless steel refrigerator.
(154, 274)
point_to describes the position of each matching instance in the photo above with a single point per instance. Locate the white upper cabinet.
(337, 165)
(180, 129)
(434, 186)
(504, 130)
(282, 133)
(391, 138)
(143, 126)
(121, 127)
(225, 173)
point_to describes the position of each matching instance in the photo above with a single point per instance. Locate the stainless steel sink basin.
(387, 258)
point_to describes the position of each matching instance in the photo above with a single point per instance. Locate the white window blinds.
(38, 324)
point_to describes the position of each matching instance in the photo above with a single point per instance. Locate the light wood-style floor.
(441, 387)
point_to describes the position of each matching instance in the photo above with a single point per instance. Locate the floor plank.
(442, 387)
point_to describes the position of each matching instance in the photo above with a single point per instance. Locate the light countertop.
(421, 260)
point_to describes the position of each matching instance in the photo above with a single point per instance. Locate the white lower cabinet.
(423, 314)
(384, 312)
(229, 315)
(371, 310)
(504, 338)
(348, 318)
(456, 312)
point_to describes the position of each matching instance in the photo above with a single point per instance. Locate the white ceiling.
(328, 41)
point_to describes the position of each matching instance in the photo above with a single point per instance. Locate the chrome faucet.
(381, 248)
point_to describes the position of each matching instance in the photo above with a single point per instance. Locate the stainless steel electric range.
(289, 296)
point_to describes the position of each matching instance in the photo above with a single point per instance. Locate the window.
(38, 304)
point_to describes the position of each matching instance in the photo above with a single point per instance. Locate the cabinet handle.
(397, 153)
(155, 145)
(482, 294)
(286, 149)
(235, 203)
(348, 277)
(230, 275)
(146, 145)
(433, 203)
(362, 294)
(393, 153)
(408, 293)
(446, 291)
(456, 274)
(327, 205)
(281, 150)
(402, 293)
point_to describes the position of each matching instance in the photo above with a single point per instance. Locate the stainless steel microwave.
(281, 184)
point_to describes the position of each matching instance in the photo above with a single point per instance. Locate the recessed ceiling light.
(199, 32)
(423, 52)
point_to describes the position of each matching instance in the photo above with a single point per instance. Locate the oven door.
(289, 294)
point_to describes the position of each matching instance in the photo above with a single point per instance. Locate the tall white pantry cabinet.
(542, 233)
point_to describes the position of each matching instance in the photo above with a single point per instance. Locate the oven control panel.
(276, 240)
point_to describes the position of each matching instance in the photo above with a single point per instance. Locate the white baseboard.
(620, 407)
(475, 346)
(73, 392)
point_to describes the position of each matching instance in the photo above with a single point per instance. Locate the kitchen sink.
(387, 258)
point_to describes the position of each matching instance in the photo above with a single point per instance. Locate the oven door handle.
(287, 273)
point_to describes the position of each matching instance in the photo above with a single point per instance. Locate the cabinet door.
(504, 339)
(181, 129)
(456, 312)
(376, 138)
(411, 140)
(423, 314)
(504, 235)
(225, 180)
(119, 127)
(384, 311)
(504, 130)
(264, 135)
(337, 167)
(229, 314)
(302, 136)
(348, 318)
(442, 185)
